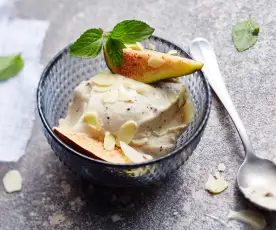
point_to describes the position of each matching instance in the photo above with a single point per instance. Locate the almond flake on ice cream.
(110, 97)
(98, 88)
(109, 141)
(136, 46)
(155, 61)
(188, 113)
(172, 52)
(126, 95)
(126, 132)
(103, 79)
(152, 46)
(91, 119)
(133, 155)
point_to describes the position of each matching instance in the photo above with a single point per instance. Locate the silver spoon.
(256, 177)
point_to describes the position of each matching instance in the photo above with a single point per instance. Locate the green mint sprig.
(10, 66)
(90, 43)
(245, 34)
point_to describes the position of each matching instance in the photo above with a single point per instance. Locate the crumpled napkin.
(18, 94)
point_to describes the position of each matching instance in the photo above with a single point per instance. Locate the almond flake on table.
(221, 167)
(116, 218)
(253, 218)
(12, 181)
(216, 185)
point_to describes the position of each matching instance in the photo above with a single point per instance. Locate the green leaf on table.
(88, 45)
(10, 66)
(245, 34)
(115, 51)
(131, 31)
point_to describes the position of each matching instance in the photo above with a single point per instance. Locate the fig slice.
(150, 66)
(91, 147)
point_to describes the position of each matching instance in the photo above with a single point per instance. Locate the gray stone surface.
(52, 198)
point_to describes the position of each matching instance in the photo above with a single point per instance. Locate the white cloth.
(17, 95)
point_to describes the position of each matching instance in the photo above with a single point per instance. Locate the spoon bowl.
(256, 171)
(256, 180)
(256, 176)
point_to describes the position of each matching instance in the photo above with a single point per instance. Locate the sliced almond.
(126, 132)
(91, 119)
(147, 156)
(116, 218)
(217, 175)
(140, 46)
(217, 219)
(132, 46)
(140, 142)
(253, 218)
(183, 97)
(126, 95)
(140, 89)
(104, 79)
(136, 46)
(131, 153)
(152, 46)
(216, 185)
(110, 97)
(188, 113)
(62, 123)
(221, 167)
(100, 89)
(172, 97)
(12, 181)
(155, 61)
(109, 141)
(172, 52)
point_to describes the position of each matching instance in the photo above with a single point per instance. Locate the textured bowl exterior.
(54, 93)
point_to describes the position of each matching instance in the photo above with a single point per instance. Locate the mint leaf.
(88, 45)
(10, 66)
(245, 34)
(115, 51)
(131, 31)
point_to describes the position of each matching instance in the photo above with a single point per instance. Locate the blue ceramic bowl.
(54, 93)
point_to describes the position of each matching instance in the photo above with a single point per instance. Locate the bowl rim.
(116, 165)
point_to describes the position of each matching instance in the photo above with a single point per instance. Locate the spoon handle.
(202, 51)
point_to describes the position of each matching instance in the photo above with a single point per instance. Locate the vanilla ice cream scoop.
(147, 117)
